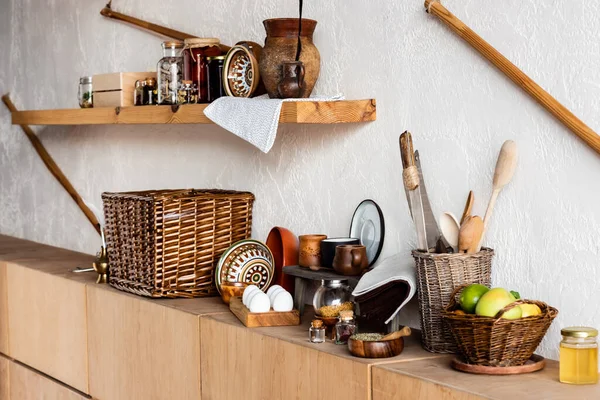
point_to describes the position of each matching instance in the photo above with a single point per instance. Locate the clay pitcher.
(350, 260)
(280, 47)
(292, 83)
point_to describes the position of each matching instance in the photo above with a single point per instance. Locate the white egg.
(250, 295)
(247, 293)
(260, 303)
(283, 302)
(274, 293)
(272, 289)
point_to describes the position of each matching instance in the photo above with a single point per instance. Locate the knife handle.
(410, 173)
(406, 150)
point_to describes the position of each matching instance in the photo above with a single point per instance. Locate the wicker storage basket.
(498, 342)
(167, 243)
(437, 277)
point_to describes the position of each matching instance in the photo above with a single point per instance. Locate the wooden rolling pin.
(52, 167)
(108, 12)
(565, 116)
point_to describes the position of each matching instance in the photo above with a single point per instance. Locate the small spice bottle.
(85, 92)
(345, 327)
(138, 93)
(150, 93)
(579, 355)
(316, 332)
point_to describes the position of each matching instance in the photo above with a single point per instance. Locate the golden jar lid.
(209, 58)
(579, 332)
(173, 44)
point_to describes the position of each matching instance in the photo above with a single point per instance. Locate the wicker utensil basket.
(498, 342)
(438, 275)
(167, 243)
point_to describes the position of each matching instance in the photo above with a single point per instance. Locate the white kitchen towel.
(255, 120)
(395, 268)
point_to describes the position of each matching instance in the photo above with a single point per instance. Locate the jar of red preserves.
(195, 52)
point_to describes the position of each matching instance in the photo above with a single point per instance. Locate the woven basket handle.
(456, 291)
(543, 307)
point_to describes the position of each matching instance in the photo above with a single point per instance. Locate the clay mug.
(292, 82)
(310, 250)
(328, 247)
(350, 260)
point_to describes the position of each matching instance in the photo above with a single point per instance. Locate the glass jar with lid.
(195, 53)
(332, 297)
(345, 327)
(169, 72)
(214, 75)
(85, 92)
(579, 355)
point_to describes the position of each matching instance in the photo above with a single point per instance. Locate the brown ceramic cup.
(310, 250)
(328, 247)
(350, 260)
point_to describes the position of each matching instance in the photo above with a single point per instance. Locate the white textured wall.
(546, 224)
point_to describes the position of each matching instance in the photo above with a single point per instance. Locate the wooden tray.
(271, 318)
(535, 363)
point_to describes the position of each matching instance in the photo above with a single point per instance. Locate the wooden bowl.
(376, 348)
(232, 289)
(284, 246)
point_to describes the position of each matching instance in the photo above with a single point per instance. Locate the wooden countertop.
(414, 374)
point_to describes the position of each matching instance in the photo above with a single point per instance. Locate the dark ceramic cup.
(350, 260)
(328, 249)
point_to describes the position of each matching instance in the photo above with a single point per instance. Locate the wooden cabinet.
(4, 378)
(435, 379)
(238, 362)
(3, 310)
(140, 349)
(48, 324)
(18, 382)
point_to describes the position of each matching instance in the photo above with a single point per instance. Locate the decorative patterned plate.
(246, 261)
(368, 225)
(240, 72)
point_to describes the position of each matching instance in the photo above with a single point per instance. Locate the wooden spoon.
(398, 334)
(505, 169)
(468, 207)
(449, 227)
(470, 235)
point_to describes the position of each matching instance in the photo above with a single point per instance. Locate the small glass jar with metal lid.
(579, 355)
(85, 92)
(214, 68)
(169, 72)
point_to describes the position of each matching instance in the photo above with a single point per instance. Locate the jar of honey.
(579, 355)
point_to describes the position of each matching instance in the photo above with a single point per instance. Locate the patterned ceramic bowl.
(248, 261)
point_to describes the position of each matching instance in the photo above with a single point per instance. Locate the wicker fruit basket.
(498, 342)
(167, 243)
(437, 277)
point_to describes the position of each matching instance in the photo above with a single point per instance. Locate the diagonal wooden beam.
(52, 167)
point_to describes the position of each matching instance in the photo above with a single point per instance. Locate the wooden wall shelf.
(301, 112)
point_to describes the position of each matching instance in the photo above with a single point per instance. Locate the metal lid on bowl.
(579, 332)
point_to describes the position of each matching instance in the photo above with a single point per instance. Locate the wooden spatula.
(470, 235)
(468, 207)
(505, 169)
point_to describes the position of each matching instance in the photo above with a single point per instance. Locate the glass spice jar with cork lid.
(316, 332)
(169, 72)
(345, 327)
(579, 355)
